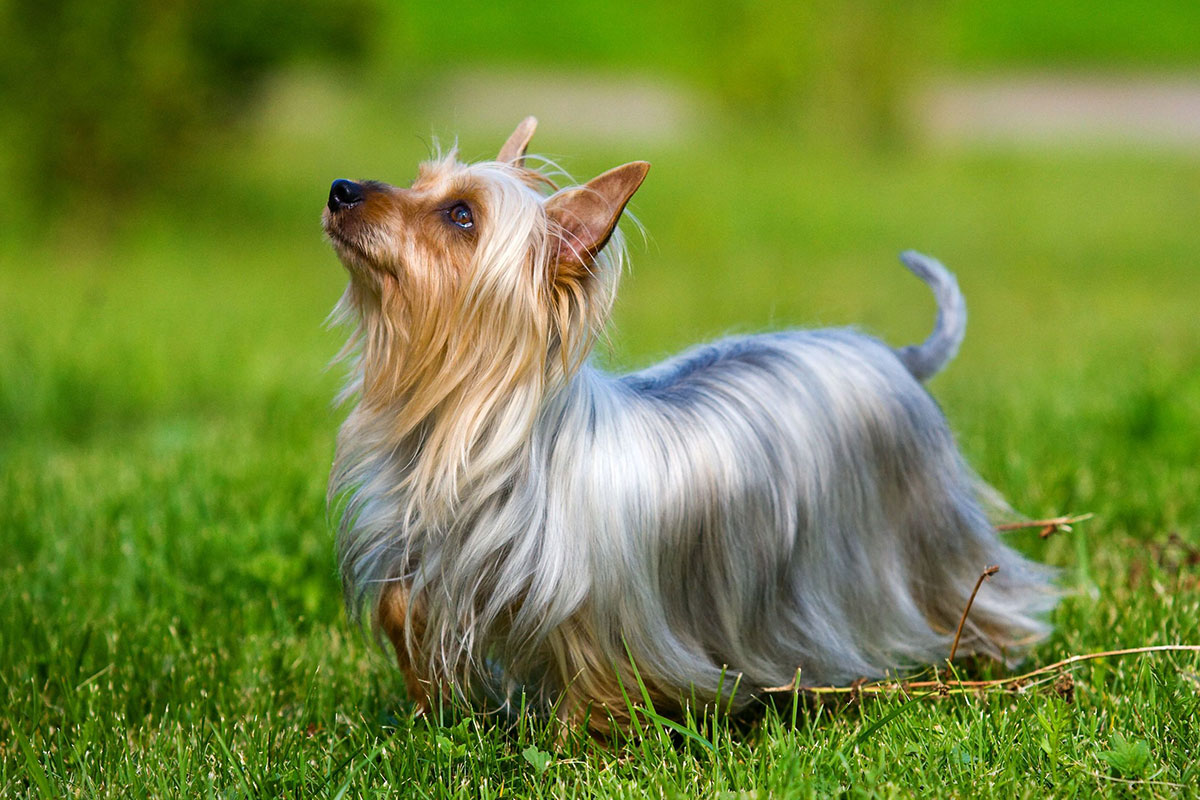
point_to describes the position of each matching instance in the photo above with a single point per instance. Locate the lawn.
(170, 619)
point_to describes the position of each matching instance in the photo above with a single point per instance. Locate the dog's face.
(453, 223)
(481, 251)
(383, 232)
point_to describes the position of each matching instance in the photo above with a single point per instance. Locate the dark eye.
(460, 215)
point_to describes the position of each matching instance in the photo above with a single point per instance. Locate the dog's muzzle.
(345, 194)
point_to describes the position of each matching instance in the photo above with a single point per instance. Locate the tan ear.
(513, 151)
(587, 215)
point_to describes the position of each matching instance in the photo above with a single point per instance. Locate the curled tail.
(927, 359)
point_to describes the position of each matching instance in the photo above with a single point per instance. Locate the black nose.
(344, 194)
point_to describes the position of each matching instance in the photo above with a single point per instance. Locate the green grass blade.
(33, 766)
(907, 706)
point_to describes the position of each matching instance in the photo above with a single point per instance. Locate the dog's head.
(479, 257)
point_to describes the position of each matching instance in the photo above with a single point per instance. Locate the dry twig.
(1048, 526)
(1015, 682)
(987, 573)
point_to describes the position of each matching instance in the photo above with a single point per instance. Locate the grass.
(170, 619)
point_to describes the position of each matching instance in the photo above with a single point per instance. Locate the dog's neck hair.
(452, 382)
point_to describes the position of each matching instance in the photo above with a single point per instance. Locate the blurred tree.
(104, 95)
(834, 69)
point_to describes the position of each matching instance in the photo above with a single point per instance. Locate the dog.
(516, 521)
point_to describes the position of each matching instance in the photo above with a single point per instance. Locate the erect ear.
(586, 215)
(513, 151)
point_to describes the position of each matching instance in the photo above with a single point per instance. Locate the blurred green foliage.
(106, 94)
(1077, 34)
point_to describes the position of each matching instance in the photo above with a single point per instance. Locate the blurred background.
(163, 281)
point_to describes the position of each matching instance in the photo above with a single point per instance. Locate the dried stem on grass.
(1013, 683)
(1048, 526)
(983, 576)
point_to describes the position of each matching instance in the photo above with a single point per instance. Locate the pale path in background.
(1035, 108)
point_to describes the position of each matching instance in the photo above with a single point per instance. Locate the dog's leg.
(394, 618)
(601, 690)
(602, 708)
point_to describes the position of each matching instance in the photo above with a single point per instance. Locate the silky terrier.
(516, 520)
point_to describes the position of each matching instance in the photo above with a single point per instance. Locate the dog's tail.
(926, 359)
